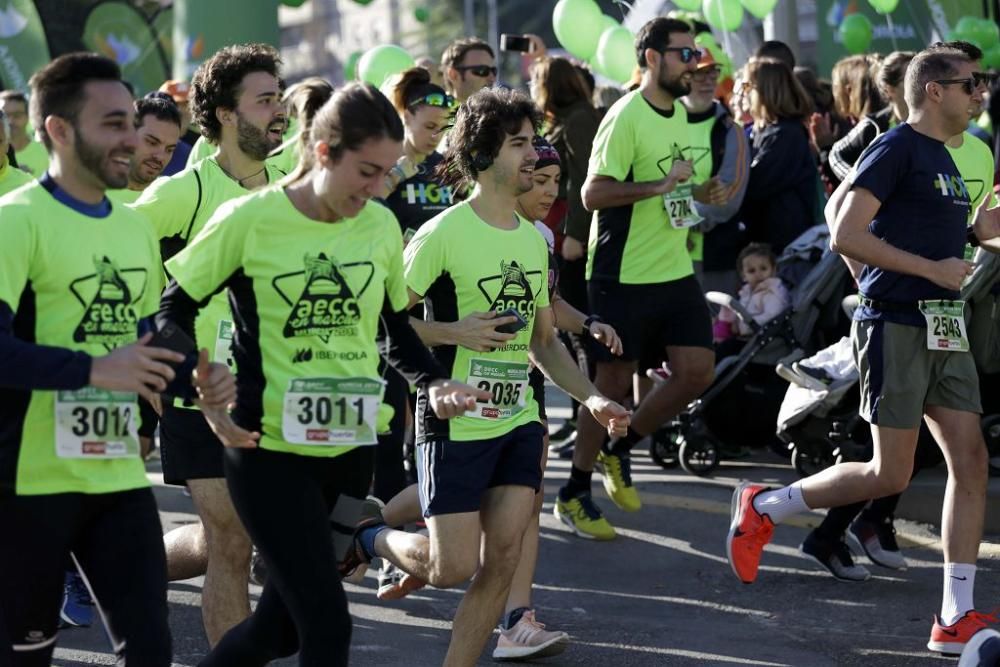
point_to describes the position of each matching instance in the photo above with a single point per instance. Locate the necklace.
(239, 181)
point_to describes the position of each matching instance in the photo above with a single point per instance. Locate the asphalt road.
(661, 594)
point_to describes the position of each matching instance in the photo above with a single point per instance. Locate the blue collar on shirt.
(100, 210)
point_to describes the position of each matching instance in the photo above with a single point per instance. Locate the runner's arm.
(830, 212)
(600, 192)
(553, 358)
(28, 366)
(475, 331)
(406, 352)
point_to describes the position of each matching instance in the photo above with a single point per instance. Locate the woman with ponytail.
(311, 266)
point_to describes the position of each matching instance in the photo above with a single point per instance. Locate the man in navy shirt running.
(905, 221)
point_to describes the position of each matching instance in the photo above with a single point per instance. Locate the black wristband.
(970, 237)
(587, 322)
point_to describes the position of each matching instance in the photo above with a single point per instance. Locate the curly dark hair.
(482, 124)
(217, 82)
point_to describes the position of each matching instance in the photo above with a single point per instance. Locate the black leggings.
(118, 542)
(284, 501)
(390, 474)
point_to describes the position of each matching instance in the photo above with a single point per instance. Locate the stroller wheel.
(663, 447)
(699, 457)
(808, 462)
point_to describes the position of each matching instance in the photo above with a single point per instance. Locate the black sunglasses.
(482, 71)
(969, 84)
(686, 53)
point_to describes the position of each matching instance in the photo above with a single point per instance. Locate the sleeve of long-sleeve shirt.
(734, 172)
(848, 149)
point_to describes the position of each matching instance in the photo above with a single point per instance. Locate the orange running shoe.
(748, 533)
(951, 639)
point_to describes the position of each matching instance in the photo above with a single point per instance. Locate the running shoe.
(616, 471)
(567, 430)
(877, 540)
(394, 584)
(835, 557)
(77, 607)
(983, 650)
(749, 531)
(356, 561)
(951, 639)
(564, 450)
(529, 639)
(584, 517)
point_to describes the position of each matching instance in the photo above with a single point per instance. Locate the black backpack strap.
(187, 234)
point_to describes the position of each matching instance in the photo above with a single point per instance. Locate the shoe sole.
(831, 572)
(946, 648)
(859, 550)
(552, 647)
(566, 519)
(734, 523)
(70, 622)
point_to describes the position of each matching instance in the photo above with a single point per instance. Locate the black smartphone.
(172, 338)
(519, 43)
(511, 327)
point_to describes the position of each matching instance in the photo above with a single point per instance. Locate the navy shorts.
(189, 449)
(454, 475)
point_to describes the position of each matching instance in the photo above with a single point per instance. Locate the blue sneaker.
(77, 607)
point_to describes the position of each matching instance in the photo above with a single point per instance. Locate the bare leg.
(187, 552)
(403, 508)
(505, 512)
(524, 576)
(225, 600)
(447, 556)
(614, 380)
(691, 372)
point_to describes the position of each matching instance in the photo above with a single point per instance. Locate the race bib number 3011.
(945, 325)
(95, 423)
(507, 384)
(332, 411)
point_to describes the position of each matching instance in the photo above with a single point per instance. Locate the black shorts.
(453, 475)
(536, 380)
(188, 447)
(651, 316)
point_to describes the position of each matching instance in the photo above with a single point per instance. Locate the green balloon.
(986, 33)
(688, 5)
(759, 8)
(723, 14)
(856, 33)
(578, 26)
(293, 3)
(991, 57)
(616, 54)
(421, 14)
(363, 2)
(381, 62)
(966, 25)
(884, 6)
(351, 65)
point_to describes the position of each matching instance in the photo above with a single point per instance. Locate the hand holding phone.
(519, 43)
(511, 327)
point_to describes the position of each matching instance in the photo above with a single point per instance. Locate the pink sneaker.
(529, 639)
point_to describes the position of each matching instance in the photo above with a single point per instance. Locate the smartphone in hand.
(519, 43)
(511, 327)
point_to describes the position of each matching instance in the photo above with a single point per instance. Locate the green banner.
(120, 31)
(23, 47)
(202, 27)
(914, 25)
(163, 24)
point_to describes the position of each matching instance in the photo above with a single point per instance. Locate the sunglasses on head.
(686, 53)
(440, 100)
(482, 71)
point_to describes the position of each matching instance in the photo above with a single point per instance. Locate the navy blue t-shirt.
(419, 198)
(924, 211)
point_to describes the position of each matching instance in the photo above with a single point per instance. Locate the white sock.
(959, 580)
(781, 503)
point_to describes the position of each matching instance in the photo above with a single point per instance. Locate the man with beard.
(78, 277)
(31, 155)
(158, 125)
(11, 177)
(236, 100)
(640, 276)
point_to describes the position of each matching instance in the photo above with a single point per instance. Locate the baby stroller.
(740, 408)
(821, 426)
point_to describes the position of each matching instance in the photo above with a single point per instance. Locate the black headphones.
(481, 162)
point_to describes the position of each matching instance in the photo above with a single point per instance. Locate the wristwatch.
(970, 236)
(587, 322)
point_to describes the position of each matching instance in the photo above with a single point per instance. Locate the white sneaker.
(529, 639)
(983, 650)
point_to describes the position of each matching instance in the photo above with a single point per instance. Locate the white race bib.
(945, 325)
(95, 423)
(507, 383)
(224, 344)
(680, 207)
(332, 411)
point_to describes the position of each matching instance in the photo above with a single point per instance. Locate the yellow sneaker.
(584, 518)
(617, 473)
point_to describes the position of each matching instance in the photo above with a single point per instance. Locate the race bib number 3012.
(332, 411)
(507, 384)
(95, 423)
